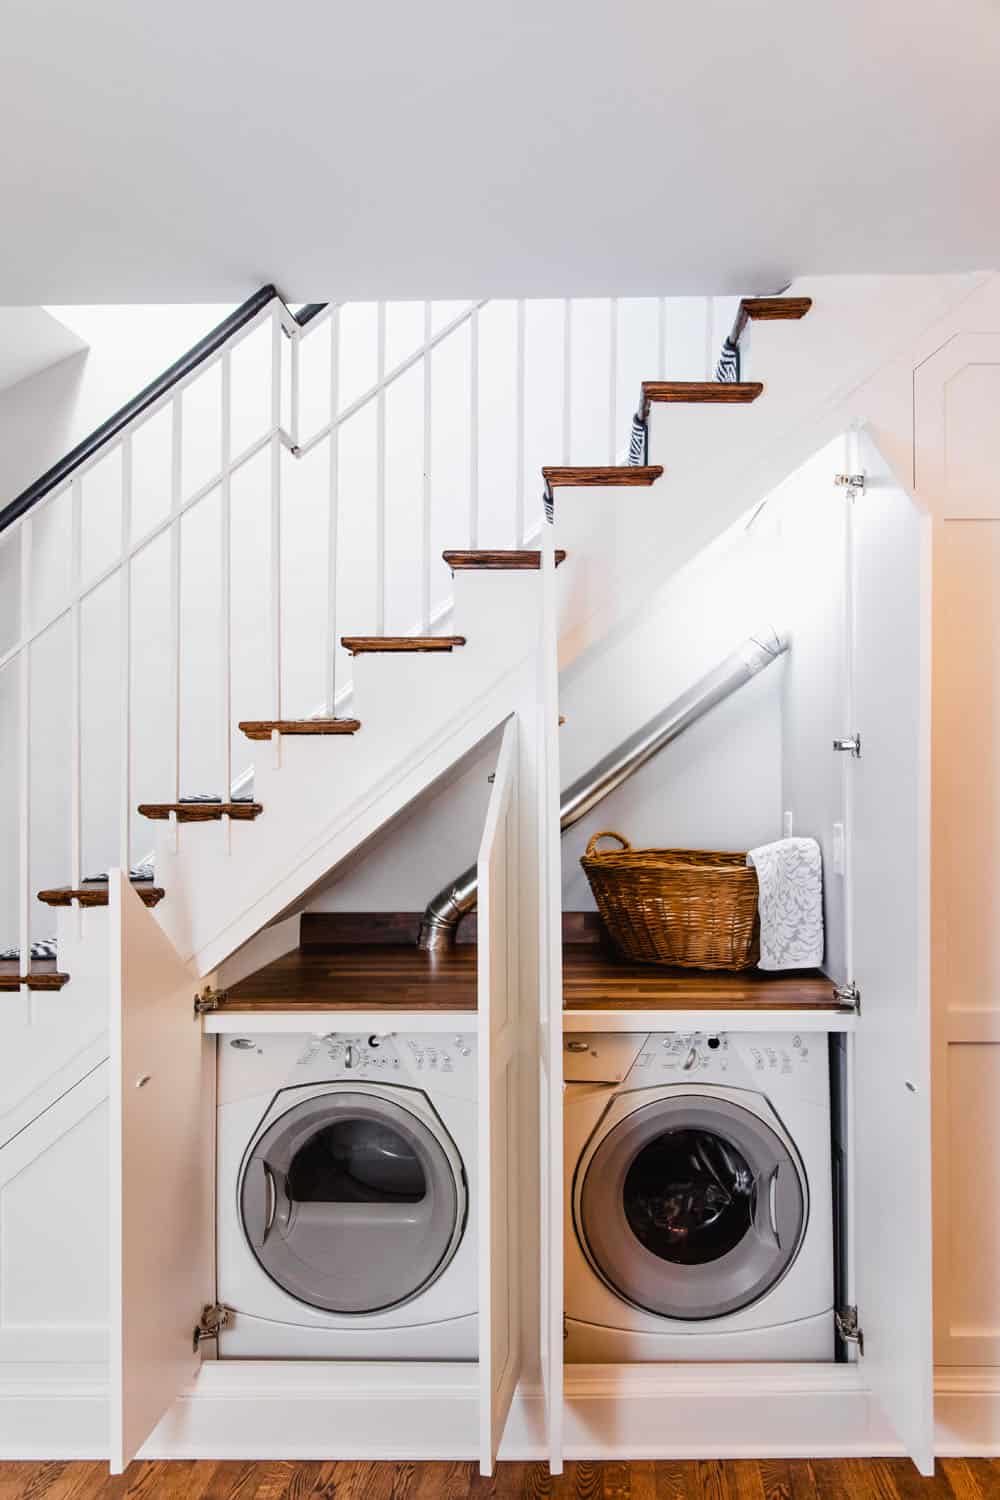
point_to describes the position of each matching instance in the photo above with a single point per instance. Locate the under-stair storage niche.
(317, 1178)
(740, 1210)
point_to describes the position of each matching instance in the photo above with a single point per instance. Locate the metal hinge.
(849, 1327)
(848, 995)
(215, 1316)
(210, 1000)
(854, 484)
(850, 746)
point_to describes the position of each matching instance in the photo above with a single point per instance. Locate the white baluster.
(76, 703)
(24, 765)
(567, 416)
(333, 512)
(425, 528)
(519, 440)
(474, 429)
(125, 658)
(612, 379)
(380, 550)
(274, 523)
(225, 585)
(174, 667)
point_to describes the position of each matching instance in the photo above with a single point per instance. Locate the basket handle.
(608, 834)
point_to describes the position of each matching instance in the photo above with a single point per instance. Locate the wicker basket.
(692, 907)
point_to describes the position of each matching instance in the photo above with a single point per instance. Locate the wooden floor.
(776, 1479)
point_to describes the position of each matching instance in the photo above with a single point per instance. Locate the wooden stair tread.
(95, 893)
(262, 729)
(359, 644)
(499, 560)
(42, 975)
(201, 812)
(361, 976)
(774, 309)
(612, 474)
(705, 392)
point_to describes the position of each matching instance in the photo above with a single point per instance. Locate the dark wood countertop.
(360, 976)
(596, 979)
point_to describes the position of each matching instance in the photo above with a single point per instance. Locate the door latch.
(854, 484)
(850, 747)
(849, 1327)
(215, 1316)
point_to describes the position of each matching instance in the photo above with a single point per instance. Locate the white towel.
(790, 877)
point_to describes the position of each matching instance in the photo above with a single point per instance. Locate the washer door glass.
(691, 1207)
(352, 1203)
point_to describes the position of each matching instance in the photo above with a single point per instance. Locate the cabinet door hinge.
(848, 995)
(854, 484)
(210, 1000)
(850, 746)
(849, 1327)
(215, 1316)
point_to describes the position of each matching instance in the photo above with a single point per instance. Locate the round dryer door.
(352, 1202)
(691, 1207)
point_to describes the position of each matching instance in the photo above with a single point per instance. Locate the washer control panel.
(699, 1052)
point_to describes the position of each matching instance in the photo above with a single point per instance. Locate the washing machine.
(699, 1215)
(346, 1200)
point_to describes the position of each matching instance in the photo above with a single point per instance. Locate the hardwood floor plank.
(675, 1480)
(745, 1482)
(775, 1478)
(970, 1478)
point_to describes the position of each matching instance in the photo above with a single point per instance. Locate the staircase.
(321, 782)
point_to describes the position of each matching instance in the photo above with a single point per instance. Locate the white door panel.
(889, 801)
(161, 1094)
(499, 1259)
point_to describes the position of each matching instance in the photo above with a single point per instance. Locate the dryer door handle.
(766, 1209)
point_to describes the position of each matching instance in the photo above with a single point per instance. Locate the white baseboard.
(268, 1410)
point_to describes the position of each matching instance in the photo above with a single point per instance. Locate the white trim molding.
(255, 1409)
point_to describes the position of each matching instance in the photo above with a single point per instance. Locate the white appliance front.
(346, 1196)
(699, 1212)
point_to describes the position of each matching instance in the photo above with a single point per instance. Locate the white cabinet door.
(550, 1133)
(889, 801)
(499, 1081)
(161, 1104)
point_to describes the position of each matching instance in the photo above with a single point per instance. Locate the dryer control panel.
(439, 1061)
(759, 1060)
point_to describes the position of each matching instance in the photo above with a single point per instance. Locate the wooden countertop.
(360, 977)
(595, 979)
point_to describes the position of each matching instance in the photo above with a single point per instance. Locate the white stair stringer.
(721, 459)
(322, 797)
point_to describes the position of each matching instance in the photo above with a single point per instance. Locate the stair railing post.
(519, 445)
(612, 380)
(174, 624)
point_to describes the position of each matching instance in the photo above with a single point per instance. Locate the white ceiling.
(190, 151)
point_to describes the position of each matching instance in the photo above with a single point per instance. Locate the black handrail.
(195, 356)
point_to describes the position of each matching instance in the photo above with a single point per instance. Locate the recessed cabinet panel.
(161, 1209)
(889, 803)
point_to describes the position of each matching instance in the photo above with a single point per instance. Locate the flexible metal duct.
(449, 906)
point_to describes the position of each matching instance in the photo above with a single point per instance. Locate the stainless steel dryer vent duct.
(449, 906)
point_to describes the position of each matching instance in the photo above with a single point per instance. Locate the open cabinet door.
(889, 810)
(550, 986)
(161, 1092)
(499, 1081)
